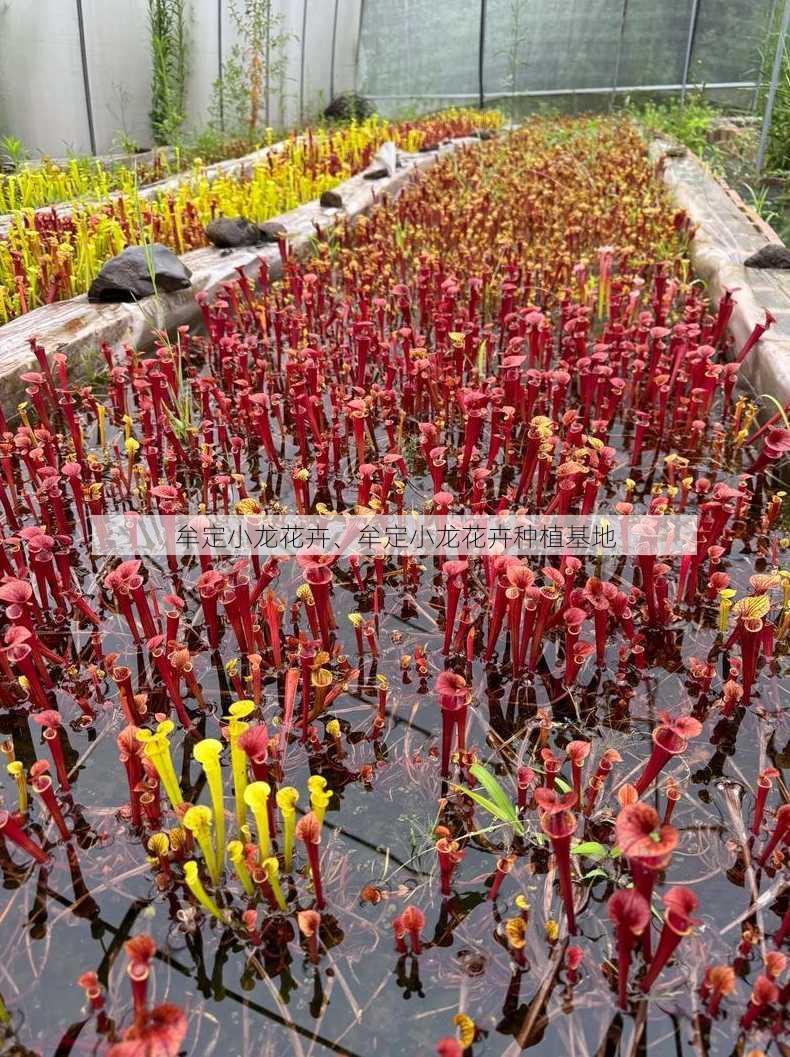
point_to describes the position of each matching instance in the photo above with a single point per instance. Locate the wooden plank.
(729, 231)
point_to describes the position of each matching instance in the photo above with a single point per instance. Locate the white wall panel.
(42, 100)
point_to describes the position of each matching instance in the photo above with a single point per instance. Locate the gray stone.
(331, 200)
(272, 231)
(229, 232)
(771, 256)
(139, 271)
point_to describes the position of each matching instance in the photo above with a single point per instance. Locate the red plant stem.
(757, 332)
(763, 788)
(753, 1011)
(750, 652)
(496, 884)
(399, 934)
(647, 565)
(545, 602)
(24, 662)
(209, 603)
(559, 828)
(448, 725)
(514, 613)
(307, 658)
(446, 867)
(52, 738)
(415, 939)
(141, 601)
(781, 830)
(783, 931)
(659, 757)
(289, 701)
(576, 772)
(319, 584)
(138, 973)
(593, 789)
(667, 943)
(644, 882)
(315, 870)
(767, 425)
(713, 1005)
(133, 776)
(625, 944)
(42, 784)
(601, 618)
(11, 829)
(451, 608)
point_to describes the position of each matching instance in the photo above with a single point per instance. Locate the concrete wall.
(42, 95)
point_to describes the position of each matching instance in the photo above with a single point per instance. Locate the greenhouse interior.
(394, 594)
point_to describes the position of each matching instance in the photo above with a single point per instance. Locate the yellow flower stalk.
(207, 753)
(319, 796)
(726, 596)
(256, 797)
(272, 868)
(17, 772)
(286, 801)
(199, 821)
(157, 748)
(236, 856)
(237, 724)
(195, 886)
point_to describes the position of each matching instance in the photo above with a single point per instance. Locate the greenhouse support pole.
(481, 55)
(758, 86)
(619, 56)
(332, 60)
(358, 43)
(221, 92)
(775, 73)
(301, 64)
(86, 81)
(689, 48)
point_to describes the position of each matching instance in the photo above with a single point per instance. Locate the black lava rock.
(228, 232)
(485, 133)
(139, 271)
(426, 148)
(331, 200)
(771, 256)
(375, 174)
(272, 231)
(350, 106)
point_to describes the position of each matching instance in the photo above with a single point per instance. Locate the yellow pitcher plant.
(156, 747)
(286, 801)
(237, 724)
(207, 753)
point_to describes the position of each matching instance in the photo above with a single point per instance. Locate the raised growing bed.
(53, 254)
(518, 804)
(77, 329)
(728, 232)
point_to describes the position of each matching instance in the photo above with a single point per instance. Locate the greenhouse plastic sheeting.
(421, 53)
